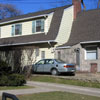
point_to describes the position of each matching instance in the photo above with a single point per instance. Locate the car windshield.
(59, 61)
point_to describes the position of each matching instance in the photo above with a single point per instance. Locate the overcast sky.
(27, 6)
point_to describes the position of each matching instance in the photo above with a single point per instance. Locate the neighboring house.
(83, 46)
(27, 38)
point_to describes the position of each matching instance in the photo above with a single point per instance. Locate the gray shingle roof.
(85, 28)
(51, 35)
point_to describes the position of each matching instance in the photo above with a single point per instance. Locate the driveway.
(49, 87)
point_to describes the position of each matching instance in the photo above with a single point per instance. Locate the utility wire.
(35, 2)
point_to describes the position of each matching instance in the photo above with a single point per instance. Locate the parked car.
(53, 66)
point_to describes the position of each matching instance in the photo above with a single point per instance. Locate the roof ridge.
(35, 13)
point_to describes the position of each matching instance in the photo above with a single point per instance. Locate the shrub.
(16, 80)
(7, 78)
(12, 80)
(4, 80)
(4, 68)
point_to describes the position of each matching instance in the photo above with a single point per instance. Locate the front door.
(93, 68)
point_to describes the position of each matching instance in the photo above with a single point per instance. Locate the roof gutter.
(45, 15)
(88, 42)
(28, 43)
(64, 47)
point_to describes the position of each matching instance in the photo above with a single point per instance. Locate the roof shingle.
(85, 28)
(51, 35)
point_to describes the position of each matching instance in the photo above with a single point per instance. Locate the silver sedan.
(53, 66)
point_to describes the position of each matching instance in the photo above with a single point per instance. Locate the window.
(91, 53)
(38, 26)
(42, 54)
(16, 29)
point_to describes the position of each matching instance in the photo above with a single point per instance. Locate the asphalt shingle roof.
(86, 27)
(51, 35)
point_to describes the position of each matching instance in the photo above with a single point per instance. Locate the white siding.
(34, 58)
(48, 53)
(48, 22)
(6, 31)
(65, 26)
(26, 27)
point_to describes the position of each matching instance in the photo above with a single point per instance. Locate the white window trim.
(35, 26)
(85, 52)
(14, 30)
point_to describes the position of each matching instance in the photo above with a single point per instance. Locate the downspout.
(49, 44)
(51, 47)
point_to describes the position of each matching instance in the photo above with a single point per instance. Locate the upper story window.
(16, 29)
(38, 26)
(91, 53)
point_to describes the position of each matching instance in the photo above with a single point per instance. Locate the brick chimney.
(77, 7)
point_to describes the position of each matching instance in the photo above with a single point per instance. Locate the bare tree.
(98, 4)
(8, 10)
(30, 54)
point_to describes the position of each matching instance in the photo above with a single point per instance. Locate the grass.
(14, 87)
(57, 96)
(65, 81)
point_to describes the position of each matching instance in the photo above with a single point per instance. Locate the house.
(83, 46)
(28, 38)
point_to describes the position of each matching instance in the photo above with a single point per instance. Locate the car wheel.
(54, 72)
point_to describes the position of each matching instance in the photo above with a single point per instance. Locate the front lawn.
(65, 81)
(57, 96)
(14, 87)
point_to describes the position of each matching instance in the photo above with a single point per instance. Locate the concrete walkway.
(28, 91)
(49, 87)
(67, 88)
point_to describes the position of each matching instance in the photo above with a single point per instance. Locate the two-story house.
(27, 38)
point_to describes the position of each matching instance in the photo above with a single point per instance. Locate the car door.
(48, 65)
(40, 66)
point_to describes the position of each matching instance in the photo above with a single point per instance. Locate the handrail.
(8, 95)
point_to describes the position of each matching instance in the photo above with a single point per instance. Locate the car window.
(41, 62)
(59, 61)
(49, 61)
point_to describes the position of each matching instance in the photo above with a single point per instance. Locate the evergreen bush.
(8, 78)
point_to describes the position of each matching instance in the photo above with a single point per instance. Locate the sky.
(28, 6)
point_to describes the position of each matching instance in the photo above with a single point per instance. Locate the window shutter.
(13, 30)
(33, 27)
(20, 29)
(42, 25)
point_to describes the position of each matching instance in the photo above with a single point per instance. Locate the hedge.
(8, 78)
(12, 80)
